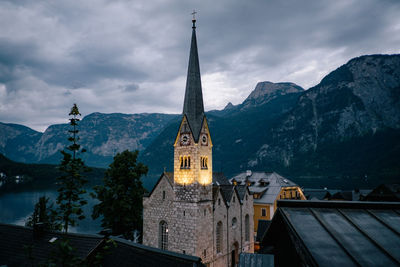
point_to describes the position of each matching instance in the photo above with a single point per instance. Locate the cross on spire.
(194, 14)
(194, 18)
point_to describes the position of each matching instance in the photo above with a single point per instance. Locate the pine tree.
(121, 196)
(70, 185)
(43, 213)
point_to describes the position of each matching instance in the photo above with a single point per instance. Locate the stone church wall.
(156, 209)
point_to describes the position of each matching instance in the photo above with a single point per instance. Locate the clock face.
(204, 139)
(185, 139)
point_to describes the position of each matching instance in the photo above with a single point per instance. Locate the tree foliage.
(43, 213)
(121, 195)
(70, 185)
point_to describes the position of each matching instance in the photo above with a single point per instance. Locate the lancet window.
(185, 162)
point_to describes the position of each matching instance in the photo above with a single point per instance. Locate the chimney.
(248, 173)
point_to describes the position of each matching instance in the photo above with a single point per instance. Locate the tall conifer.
(70, 185)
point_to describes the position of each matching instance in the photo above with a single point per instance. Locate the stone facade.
(192, 225)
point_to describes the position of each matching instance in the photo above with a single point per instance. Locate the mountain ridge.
(279, 126)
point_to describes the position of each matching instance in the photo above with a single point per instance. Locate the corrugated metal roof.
(256, 260)
(346, 233)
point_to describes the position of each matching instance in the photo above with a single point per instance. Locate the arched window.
(185, 162)
(247, 227)
(204, 163)
(163, 235)
(219, 237)
(234, 222)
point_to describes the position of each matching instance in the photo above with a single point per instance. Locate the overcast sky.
(131, 56)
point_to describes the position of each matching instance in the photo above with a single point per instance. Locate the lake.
(15, 208)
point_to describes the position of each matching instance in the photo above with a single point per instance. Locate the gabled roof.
(170, 178)
(227, 191)
(338, 233)
(262, 228)
(219, 178)
(241, 190)
(193, 107)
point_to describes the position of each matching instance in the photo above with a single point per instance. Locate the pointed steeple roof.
(193, 107)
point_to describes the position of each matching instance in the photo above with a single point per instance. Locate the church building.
(193, 210)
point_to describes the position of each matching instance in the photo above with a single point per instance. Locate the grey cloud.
(131, 87)
(135, 53)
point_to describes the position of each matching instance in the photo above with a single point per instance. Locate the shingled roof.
(15, 239)
(193, 107)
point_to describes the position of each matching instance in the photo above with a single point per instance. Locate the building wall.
(247, 208)
(258, 213)
(220, 215)
(155, 209)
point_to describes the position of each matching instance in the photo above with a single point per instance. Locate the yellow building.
(267, 188)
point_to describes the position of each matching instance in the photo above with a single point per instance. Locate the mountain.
(17, 141)
(102, 135)
(339, 122)
(347, 128)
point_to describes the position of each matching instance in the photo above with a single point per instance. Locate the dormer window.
(204, 162)
(184, 162)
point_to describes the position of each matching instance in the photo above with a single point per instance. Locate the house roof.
(170, 178)
(14, 239)
(262, 228)
(385, 192)
(341, 233)
(220, 179)
(227, 191)
(274, 183)
(128, 254)
(241, 190)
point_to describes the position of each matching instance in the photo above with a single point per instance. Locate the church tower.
(193, 146)
(193, 168)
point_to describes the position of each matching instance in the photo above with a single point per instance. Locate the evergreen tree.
(70, 185)
(121, 195)
(43, 213)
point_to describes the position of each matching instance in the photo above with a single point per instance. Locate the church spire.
(193, 107)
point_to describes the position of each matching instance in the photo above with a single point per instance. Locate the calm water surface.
(15, 208)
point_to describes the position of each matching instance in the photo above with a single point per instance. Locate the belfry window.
(204, 162)
(163, 235)
(184, 162)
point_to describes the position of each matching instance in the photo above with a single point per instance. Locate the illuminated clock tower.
(193, 146)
